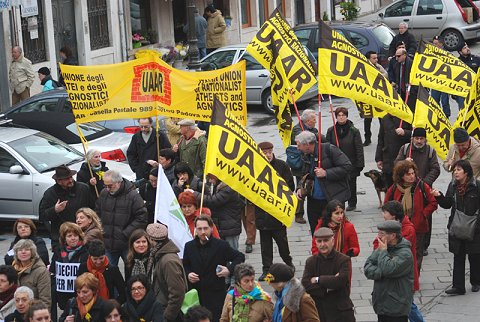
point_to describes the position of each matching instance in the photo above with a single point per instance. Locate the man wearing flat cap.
(169, 279)
(390, 266)
(327, 279)
(465, 148)
(192, 147)
(61, 201)
(270, 228)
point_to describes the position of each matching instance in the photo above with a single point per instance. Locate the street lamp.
(193, 63)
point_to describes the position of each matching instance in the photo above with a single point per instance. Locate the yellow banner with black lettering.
(277, 48)
(438, 69)
(148, 86)
(430, 116)
(344, 71)
(469, 115)
(235, 158)
(369, 111)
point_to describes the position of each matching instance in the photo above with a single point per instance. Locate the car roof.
(358, 24)
(9, 134)
(57, 92)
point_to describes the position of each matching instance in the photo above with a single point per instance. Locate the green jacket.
(392, 272)
(194, 154)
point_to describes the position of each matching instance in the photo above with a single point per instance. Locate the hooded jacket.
(298, 304)
(216, 30)
(121, 213)
(392, 273)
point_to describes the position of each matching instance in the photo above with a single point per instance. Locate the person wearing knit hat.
(46, 79)
(166, 268)
(390, 267)
(466, 148)
(269, 227)
(291, 297)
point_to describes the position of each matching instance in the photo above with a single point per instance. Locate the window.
(220, 59)
(399, 9)
(34, 49)
(45, 105)
(6, 161)
(246, 13)
(303, 35)
(384, 35)
(98, 22)
(140, 16)
(429, 7)
(358, 40)
(251, 63)
(281, 6)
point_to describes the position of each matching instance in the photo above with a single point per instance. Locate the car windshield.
(45, 152)
(384, 35)
(86, 128)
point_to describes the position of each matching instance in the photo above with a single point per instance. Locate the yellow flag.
(469, 115)
(277, 48)
(368, 110)
(438, 69)
(344, 71)
(430, 116)
(235, 158)
(148, 86)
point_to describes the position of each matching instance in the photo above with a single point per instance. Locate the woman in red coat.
(416, 198)
(346, 240)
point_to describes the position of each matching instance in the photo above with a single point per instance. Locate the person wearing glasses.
(121, 210)
(400, 78)
(141, 304)
(142, 152)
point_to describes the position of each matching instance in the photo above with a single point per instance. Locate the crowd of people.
(102, 217)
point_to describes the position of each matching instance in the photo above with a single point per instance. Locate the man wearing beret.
(390, 266)
(327, 279)
(465, 148)
(270, 228)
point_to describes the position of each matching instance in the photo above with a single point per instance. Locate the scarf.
(339, 238)
(70, 251)
(243, 301)
(151, 258)
(98, 272)
(85, 308)
(342, 129)
(407, 200)
(20, 268)
(279, 307)
(461, 188)
(6, 296)
(139, 263)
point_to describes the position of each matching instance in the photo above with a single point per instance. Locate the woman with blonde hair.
(91, 225)
(72, 251)
(98, 168)
(31, 270)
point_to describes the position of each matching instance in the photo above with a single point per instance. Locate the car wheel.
(267, 102)
(453, 39)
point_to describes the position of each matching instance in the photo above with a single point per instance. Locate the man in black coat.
(325, 182)
(406, 37)
(207, 262)
(270, 227)
(401, 78)
(142, 152)
(61, 201)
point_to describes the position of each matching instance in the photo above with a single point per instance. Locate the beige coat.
(472, 155)
(259, 310)
(37, 278)
(21, 75)
(216, 30)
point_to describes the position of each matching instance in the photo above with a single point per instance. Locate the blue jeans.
(202, 52)
(415, 314)
(443, 100)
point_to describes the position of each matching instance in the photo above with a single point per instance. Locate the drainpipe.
(123, 35)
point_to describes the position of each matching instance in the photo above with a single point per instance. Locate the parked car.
(28, 159)
(364, 36)
(258, 78)
(455, 20)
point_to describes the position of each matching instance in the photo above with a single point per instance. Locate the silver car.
(27, 162)
(258, 78)
(455, 20)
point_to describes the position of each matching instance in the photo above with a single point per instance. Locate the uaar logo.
(152, 84)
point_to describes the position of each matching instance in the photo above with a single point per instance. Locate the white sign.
(65, 276)
(29, 8)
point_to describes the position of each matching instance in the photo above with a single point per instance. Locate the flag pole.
(157, 126)
(203, 189)
(334, 120)
(296, 110)
(83, 140)
(319, 130)
(411, 143)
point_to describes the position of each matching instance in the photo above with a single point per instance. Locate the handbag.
(463, 226)
(191, 299)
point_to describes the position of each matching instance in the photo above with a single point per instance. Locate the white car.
(258, 78)
(28, 159)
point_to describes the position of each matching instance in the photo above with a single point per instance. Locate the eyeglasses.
(109, 186)
(399, 55)
(138, 289)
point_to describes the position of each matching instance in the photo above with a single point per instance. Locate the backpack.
(294, 157)
(406, 148)
(422, 189)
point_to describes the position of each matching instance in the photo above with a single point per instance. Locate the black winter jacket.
(408, 39)
(83, 175)
(147, 310)
(121, 213)
(96, 312)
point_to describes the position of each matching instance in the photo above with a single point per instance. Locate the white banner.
(65, 276)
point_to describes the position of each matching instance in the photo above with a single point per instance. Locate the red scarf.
(338, 231)
(98, 272)
(6, 296)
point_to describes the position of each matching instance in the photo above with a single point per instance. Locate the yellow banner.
(369, 111)
(430, 116)
(148, 86)
(234, 157)
(438, 69)
(346, 72)
(277, 48)
(469, 115)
